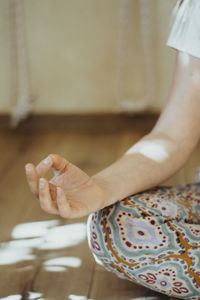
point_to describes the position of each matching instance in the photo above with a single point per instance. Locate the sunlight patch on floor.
(76, 297)
(145, 298)
(32, 229)
(31, 296)
(64, 236)
(44, 235)
(11, 255)
(69, 261)
(12, 297)
(54, 268)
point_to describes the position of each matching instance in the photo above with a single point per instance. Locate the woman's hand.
(71, 193)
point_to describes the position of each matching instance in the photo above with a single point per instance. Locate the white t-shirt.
(185, 32)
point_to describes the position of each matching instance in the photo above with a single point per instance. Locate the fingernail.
(47, 160)
(42, 182)
(28, 168)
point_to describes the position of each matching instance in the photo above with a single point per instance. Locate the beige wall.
(72, 54)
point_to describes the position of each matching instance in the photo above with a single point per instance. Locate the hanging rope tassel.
(20, 89)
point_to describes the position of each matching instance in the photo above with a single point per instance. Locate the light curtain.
(140, 65)
(142, 36)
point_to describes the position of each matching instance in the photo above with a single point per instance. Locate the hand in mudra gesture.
(71, 193)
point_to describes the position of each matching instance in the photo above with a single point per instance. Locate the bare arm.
(167, 147)
(71, 193)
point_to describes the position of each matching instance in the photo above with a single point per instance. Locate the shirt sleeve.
(185, 32)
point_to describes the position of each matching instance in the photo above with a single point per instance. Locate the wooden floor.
(51, 260)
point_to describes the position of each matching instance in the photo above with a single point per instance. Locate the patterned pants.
(152, 238)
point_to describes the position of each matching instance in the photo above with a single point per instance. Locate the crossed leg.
(152, 239)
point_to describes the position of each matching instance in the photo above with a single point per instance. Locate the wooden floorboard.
(11, 147)
(107, 286)
(88, 151)
(26, 266)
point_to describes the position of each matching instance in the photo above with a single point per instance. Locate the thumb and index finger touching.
(55, 161)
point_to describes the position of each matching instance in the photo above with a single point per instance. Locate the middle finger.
(44, 166)
(46, 202)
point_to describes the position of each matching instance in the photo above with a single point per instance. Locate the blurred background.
(86, 80)
(84, 57)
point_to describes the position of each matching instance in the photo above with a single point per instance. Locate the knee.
(97, 239)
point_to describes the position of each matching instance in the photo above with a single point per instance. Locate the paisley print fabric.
(152, 239)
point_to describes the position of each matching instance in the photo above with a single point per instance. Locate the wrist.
(108, 194)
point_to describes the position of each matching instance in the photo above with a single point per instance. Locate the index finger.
(59, 163)
(33, 180)
(54, 161)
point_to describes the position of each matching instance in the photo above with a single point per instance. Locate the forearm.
(167, 147)
(148, 163)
